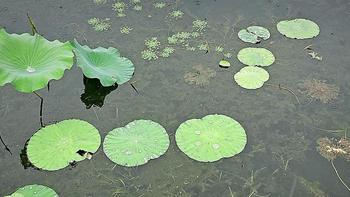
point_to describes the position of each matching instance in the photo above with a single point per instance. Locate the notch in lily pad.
(298, 28)
(107, 65)
(211, 138)
(254, 34)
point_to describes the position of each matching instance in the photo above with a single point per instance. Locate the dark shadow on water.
(94, 93)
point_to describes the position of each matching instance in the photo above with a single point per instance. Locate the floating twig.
(279, 86)
(341, 180)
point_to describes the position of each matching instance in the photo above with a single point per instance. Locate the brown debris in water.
(333, 148)
(201, 76)
(320, 90)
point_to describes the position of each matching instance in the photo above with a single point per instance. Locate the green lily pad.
(104, 64)
(211, 138)
(34, 191)
(224, 64)
(55, 146)
(256, 57)
(298, 28)
(251, 77)
(30, 62)
(136, 143)
(254, 34)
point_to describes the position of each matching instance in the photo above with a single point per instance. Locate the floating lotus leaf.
(251, 77)
(256, 57)
(136, 143)
(298, 28)
(34, 191)
(211, 138)
(30, 62)
(104, 64)
(254, 34)
(56, 146)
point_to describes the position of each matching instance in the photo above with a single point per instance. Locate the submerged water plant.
(136, 143)
(56, 146)
(200, 76)
(107, 65)
(34, 191)
(320, 90)
(211, 138)
(298, 28)
(29, 62)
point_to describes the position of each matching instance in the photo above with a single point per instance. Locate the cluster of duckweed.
(167, 51)
(176, 14)
(125, 29)
(152, 50)
(99, 24)
(159, 5)
(200, 25)
(137, 5)
(99, 2)
(219, 49)
(119, 7)
(203, 47)
(227, 55)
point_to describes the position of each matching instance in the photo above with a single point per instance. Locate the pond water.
(282, 122)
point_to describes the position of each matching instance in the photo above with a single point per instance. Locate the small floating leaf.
(256, 57)
(30, 62)
(224, 64)
(211, 138)
(55, 146)
(254, 34)
(136, 143)
(104, 64)
(298, 28)
(34, 191)
(251, 77)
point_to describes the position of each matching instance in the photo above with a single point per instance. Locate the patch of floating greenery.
(149, 55)
(34, 191)
(228, 55)
(251, 77)
(30, 62)
(119, 7)
(136, 143)
(298, 28)
(176, 14)
(219, 49)
(100, 24)
(199, 25)
(256, 57)
(99, 2)
(159, 5)
(107, 65)
(254, 34)
(167, 51)
(56, 146)
(125, 29)
(203, 47)
(211, 138)
(152, 43)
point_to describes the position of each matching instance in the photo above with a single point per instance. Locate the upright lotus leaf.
(55, 146)
(211, 138)
(136, 143)
(34, 191)
(256, 57)
(251, 77)
(298, 28)
(30, 62)
(104, 64)
(254, 34)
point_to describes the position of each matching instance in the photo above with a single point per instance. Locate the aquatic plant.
(107, 65)
(30, 62)
(320, 90)
(195, 34)
(176, 14)
(203, 47)
(159, 5)
(125, 29)
(254, 34)
(251, 77)
(148, 55)
(219, 49)
(200, 76)
(211, 138)
(34, 190)
(224, 63)
(190, 48)
(298, 28)
(172, 39)
(135, 1)
(332, 149)
(136, 143)
(167, 51)
(152, 43)
(137, 7)
(199, 25)
(119, 7)
(56, 146)
(100, 2)
(312, 187)
(256, 57)
(99, 24)
(228, 55)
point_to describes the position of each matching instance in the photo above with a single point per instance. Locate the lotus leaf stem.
(6, 147)
(31, 23)
(41, 108)
(341, 180)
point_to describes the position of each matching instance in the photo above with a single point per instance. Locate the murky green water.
(280, 158)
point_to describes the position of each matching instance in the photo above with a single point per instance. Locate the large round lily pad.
(104, 64)
(34, 191)
(298, 28)
(56, 146)
(256, 57)
(30, 62)
(211, 138)
(254, 34)
(136, 143)
(251, 77)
